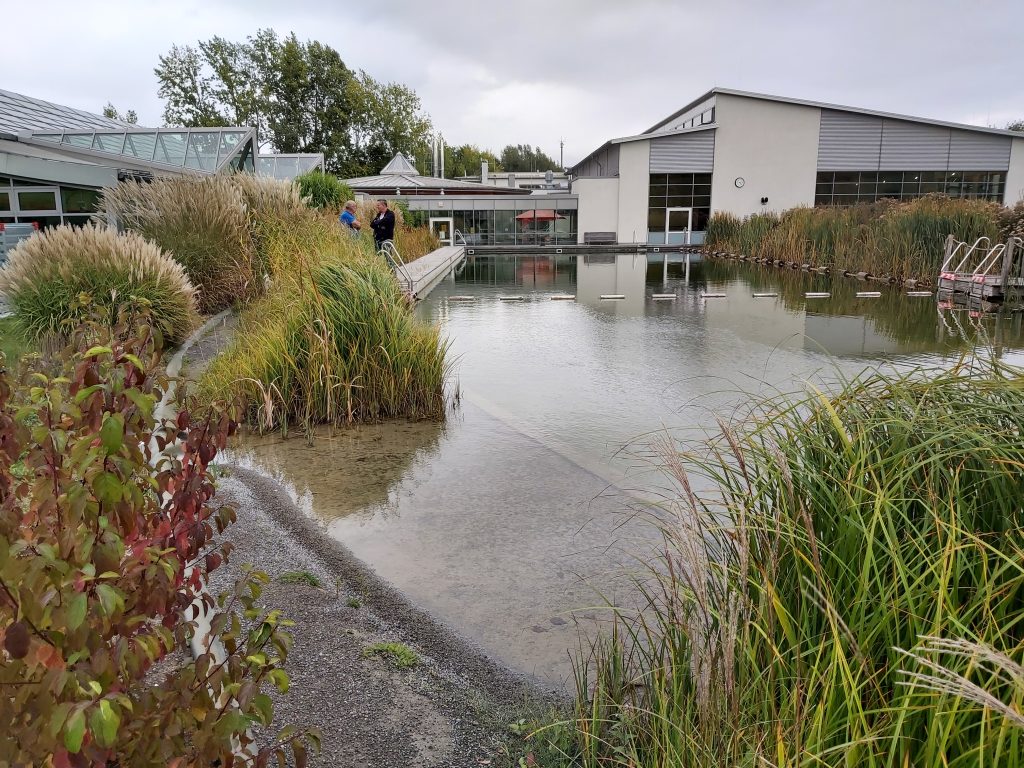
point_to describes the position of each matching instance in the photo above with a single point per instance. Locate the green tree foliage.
(128, 117)
(523, 157)
(300, 96)
(106, 544)
(465, 161)
(1016, 125)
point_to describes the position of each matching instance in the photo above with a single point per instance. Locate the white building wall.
(772, 146)
(598, 201)
(634, 190)
(1015, 176)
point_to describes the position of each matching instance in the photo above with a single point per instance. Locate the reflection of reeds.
(898, 239)
(843, 529)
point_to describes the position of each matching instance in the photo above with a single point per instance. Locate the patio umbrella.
(543, 214)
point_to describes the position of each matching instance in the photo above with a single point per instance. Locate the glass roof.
(288, 166)
(198, 149)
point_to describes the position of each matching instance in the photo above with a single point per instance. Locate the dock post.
(1007, 263)
(686, 277)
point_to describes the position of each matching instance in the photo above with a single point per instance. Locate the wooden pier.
(981, 272)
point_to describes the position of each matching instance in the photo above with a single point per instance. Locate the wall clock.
(739, 182)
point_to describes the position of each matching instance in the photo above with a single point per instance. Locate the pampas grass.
(49, 276)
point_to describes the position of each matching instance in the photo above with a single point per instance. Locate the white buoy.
(511, 298)
(663, 296)
(461, 298)
(919, 293)
(563, 297)
(712, 295)
(817, 295)
(615, 296)
(765, 295)
(868, 294)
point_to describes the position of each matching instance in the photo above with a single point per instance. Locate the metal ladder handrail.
(991, 259)
(394, 258)
(456, 234)
(967, 255)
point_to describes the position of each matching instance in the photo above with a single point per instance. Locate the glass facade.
(851, 187)
(534, 220)
(24, 201)
(201, 149)
(677, 190)
(288, 166)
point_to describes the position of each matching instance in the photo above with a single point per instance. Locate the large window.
(677, 190)
(850, 187)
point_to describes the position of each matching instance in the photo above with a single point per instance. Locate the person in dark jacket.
(383, 224)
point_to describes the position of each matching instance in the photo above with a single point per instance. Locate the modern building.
(747, 153)
(472, 212)
(54, 160)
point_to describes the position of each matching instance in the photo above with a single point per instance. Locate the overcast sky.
(494, 72)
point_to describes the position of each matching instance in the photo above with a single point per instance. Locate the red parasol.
(543, 214)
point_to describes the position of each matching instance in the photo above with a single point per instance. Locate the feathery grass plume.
(898, 239)
(48, 275)
(202, 222)
(838, 529)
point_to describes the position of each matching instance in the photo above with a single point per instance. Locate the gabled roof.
(399, 165)
(826, 105)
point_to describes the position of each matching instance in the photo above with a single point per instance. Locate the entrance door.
(678, 223)
(444, 230)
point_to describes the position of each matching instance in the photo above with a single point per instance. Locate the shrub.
(47, 274)
(838, 533)
(102, 561)
(323, 190)
(202, 222)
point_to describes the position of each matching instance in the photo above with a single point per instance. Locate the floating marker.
(712, 295)
(511, 298)
(461, 298)
(765, 295)
(613, 296)
(663, 296)
(818, 295)
(565, 297)
(868, 294)
(919, 293)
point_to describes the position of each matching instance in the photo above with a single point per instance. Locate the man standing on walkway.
(383, 224)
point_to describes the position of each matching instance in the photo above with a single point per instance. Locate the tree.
(523, 157)
(1016, 125)
(128, 117)
(301, 97)
(465, 160)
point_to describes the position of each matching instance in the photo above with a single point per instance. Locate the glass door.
(678, 224)
(444, 230)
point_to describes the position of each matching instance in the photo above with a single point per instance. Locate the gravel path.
(452, 709)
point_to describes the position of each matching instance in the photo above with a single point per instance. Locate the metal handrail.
(990, 260)
(967, 255)
(455, 238)
(394, 258)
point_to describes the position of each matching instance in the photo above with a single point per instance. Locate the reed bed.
(899, 239)
(858, 567)
(60, 276)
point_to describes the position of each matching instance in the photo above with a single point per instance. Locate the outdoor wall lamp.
(764, 201)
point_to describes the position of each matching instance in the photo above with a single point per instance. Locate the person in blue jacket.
(348, 217)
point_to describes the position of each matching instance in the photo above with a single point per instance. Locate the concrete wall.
(598, 201)
(772, 146)
(634, 190)
(1015, 176)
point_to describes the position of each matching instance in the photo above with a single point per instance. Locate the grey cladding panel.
(978, 152)
(601, 164)
(848, 141)
(684, 153)
(913, 147)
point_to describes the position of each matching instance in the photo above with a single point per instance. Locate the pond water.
(517, 517)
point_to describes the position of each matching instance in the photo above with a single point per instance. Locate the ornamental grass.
(849, 592)
(59, 277)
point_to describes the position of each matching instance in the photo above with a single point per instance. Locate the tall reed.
(840, 531)
(898, 239)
